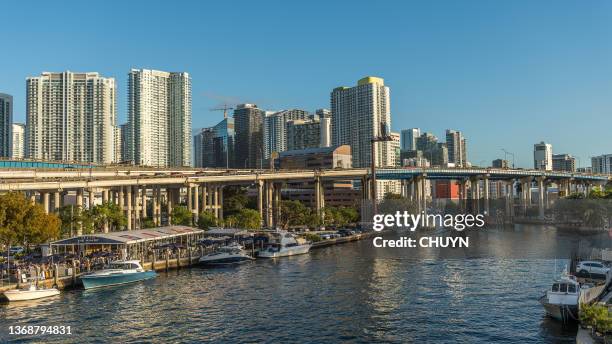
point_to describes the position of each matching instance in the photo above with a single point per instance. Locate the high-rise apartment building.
(275, 130)
(602, 164)
(159, 118)
(457, 152)
(311, 133)
(6, 124)
(248, 124)
(71, 117)
(563, 162)
(214, 146)
(359, 113)
(395, 149)
(408, 138)
(118, 144)
(18, 141)
(123, 129)
(542, 156)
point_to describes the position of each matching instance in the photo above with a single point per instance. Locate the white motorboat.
(119, 272)
(30, 293)
(562, 300)
(230, 254)
(284, 244)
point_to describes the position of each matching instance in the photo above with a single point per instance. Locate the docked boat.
(224, 255)
(562, 300)
(30, 293)
(118, 272)
(284, 244)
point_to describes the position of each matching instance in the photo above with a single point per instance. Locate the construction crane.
(225, 108)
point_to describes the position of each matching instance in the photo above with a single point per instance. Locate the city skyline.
(500, 86)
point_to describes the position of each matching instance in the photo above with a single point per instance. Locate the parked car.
(592, 267)
(346, 232)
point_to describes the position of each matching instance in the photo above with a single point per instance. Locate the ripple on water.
(351, 293)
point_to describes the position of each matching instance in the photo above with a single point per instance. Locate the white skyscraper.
(71, 117)
(457, 150)
(118, 144)
(275, 130)
(542, 156)
(18, 150)
(6, 123)
(408, 138)
(159, 118)
(357, 115)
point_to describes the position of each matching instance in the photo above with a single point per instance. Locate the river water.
(346, 293)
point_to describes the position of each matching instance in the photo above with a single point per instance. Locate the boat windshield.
(564, 288)
(124, 266)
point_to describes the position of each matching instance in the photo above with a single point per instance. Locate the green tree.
(72, 217)
(207, 219)
(294, 213)
(24, 223)
(147, 223)
(181, 216)
(107, 213)
(234, 200)
(245, 218)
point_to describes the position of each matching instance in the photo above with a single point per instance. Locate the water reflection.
(353, 292)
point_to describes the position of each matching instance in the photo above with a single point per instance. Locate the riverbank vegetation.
(25, 223)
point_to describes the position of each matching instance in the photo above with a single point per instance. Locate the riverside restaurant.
(134, 244)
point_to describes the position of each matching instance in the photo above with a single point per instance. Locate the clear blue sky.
(507, 73)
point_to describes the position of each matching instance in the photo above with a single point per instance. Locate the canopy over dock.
(139, 240)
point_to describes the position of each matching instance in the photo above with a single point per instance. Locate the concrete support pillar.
(421, 182)
(485, 181)
(45, 197)
(121, 198)
(211, 198)
(260, 199)
(277, 204)
(364, 188)
(158, 207)
(57, 201)
(204, 196)
(190, 198)
(220, 203)
(143, 202)
(79, 204)
(196, 201)
(508, 189)
(475, 188)
(418, 192)
(128, 201)
(541, 197)
(171, 193)
(136, 201)
(154, 205)
(268, 206)
(216, 200)
(33, 198)
(91, 194)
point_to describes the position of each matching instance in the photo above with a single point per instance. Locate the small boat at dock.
(30, 293)
(562, 300)
(284, 244)
(225, 255)
(119, 272)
